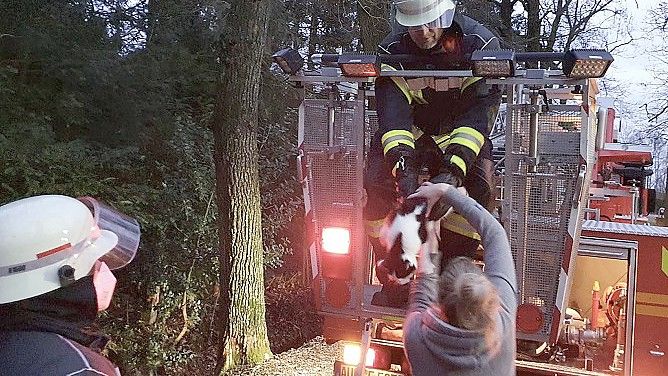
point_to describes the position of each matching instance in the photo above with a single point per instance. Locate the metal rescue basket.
(549, 151)
(548, 163)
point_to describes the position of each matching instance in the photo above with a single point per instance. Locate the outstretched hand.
(437, 205)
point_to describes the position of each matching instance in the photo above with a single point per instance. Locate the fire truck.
(592, 271)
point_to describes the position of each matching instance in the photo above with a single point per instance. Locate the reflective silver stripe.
(397, 138)
(44, 261)
(468, 137)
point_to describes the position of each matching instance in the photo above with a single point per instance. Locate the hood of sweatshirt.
(456, 348)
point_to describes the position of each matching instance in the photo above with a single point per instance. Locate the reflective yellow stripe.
(467, 143)
(469, 81)
(442, 142)
(399, 81)
(459, 162)
(471, 132)
(395, 137)
(372, 228)
(396, 133)
(442, 138)
(403, 86)
(458, 224)
(396, 143)
(417, 95)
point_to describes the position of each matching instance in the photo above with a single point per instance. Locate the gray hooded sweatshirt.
(435, 347)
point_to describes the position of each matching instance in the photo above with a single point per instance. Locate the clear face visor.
(439, 23)
(125, 228)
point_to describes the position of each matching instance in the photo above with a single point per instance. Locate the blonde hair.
(469, 300)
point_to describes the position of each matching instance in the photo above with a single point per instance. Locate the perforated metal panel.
(332, 137)
(541, 203)
(345, 119)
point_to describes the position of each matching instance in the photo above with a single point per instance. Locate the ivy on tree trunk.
(242, 306)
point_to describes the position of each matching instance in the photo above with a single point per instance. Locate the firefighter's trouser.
(458, 238)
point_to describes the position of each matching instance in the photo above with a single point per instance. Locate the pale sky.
(633, 79)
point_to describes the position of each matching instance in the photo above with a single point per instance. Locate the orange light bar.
(359, 65)
(360, 70)
(336, 240)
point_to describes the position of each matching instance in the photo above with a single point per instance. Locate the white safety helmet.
(47, 242)
(430, 13)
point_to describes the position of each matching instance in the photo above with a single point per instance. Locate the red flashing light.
(336, 240)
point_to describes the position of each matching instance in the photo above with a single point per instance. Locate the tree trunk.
(242, 305)
(533, 25)
(373, 16)
(506, 29)
(313, 32)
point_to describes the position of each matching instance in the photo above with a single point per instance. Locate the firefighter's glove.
(384, 275)
(405, 177)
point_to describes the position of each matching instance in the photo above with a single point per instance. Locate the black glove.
(401, 161)
(447, 178)
(441, 207)
(406, 178)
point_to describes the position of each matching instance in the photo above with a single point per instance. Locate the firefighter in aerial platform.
(435, 125)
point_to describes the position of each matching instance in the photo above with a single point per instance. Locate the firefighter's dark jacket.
(458, 116)
(33, 353)
(53, 334)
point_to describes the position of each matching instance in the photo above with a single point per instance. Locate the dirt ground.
(314, 358)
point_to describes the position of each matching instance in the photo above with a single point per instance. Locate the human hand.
(429, 254)
(437, 205)
(384, 275)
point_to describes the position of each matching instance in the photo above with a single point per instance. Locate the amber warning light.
(336, 240)
(359, 65)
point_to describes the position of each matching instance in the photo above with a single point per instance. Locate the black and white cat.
(406, 230)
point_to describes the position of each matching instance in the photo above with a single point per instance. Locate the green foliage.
(79, 118)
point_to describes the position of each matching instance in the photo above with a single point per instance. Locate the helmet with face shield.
(50, 241)
(425, 13)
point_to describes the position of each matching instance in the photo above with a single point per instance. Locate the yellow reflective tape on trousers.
(468, 82)
(395, 137)
(459, 162)
(458, 224)
(372, 228)
(464, 141)
(471, 132)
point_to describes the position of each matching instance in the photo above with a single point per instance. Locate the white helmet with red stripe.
(47, 242)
